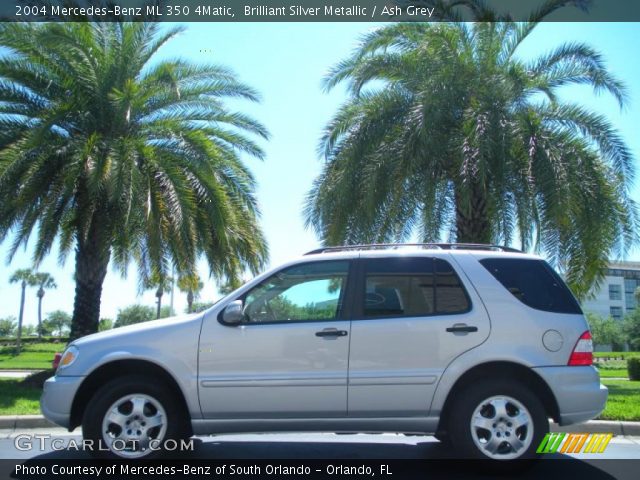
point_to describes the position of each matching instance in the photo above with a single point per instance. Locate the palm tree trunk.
(91, 268)
(40, 296)
(472, 216)
(20, 317)
(159, 302)
(189, 301)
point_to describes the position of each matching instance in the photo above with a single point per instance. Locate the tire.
(443, 438)
(497, 420)
(132, 417)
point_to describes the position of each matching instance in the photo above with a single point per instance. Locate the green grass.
(614, 373)
(623, 402)
(17, 398)
(34, 356)
(612, 365)
(623, 355)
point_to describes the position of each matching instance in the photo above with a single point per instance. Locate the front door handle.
(331, 332)
(462, 328)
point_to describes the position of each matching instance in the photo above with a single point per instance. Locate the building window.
(615, 292)
(616, 313)
(630, 286)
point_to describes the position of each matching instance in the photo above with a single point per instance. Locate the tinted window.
(450, 294)
(616, 313)
(615, 292)
(534, 283)
(308, 292)
(411, 287)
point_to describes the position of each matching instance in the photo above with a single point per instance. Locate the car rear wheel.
(132, 417)
(498, 421)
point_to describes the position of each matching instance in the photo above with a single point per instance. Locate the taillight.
(56, 360)
(583, 351)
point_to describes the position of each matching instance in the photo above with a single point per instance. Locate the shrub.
(105, 324)
(631, 328)
(633, 367)
(7, 326)
(200, 306)
(134, 314)
(605, 331)
(57, 321)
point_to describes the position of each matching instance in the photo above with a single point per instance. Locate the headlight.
(68, 357)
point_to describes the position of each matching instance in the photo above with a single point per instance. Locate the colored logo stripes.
(574, 442)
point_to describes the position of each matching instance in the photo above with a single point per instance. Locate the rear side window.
(412, 287)
(534, 283)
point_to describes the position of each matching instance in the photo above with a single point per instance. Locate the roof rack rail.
(439, 246)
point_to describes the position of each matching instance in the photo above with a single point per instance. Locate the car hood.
(140, 330)
(170, 343)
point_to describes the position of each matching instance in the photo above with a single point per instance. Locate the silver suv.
(476, 344)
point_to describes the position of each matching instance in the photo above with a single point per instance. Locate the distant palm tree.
(230, 285)
(161, 283)
(44, 281)
(26, 278)
(448, 133)
(191, 285)
(122, 157)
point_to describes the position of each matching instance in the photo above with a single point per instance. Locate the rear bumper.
(57, 398)
(578, 391)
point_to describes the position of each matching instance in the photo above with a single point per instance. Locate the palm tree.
(448, 133)
(121, 157)
(26, 278)
(161, 283)
(191, 285)
(230, 285)
(44, 281)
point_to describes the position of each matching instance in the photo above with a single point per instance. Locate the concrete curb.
(600, 426)
(25, 421)
(14, 422)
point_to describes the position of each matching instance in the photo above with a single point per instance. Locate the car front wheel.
(131, 417)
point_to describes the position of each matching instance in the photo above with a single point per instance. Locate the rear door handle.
(331, 332)
(462, 328)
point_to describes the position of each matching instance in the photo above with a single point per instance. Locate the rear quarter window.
(534, 283)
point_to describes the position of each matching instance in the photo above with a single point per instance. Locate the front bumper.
(57, 398)
(578, 391)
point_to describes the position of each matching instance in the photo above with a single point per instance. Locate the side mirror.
(232, 313)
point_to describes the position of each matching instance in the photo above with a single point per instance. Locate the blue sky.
(285, 63)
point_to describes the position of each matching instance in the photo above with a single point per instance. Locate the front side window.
(412, 287)
(308, 292)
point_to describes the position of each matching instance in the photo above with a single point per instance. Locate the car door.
(289, 357)
(412, 317)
